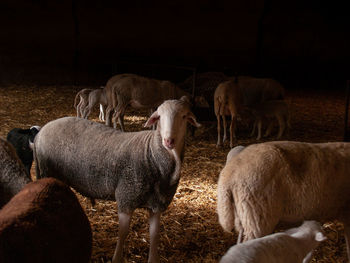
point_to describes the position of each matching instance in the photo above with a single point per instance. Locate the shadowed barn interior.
(49, 50)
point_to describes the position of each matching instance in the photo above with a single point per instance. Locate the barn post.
(346, 133)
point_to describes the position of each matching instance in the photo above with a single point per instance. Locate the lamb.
(20, 139)
(137, 169)
(96, 96)
(13, 175)
(292, 246)
(83, 96)
(284, 182)
(233, 152)
(138, 92)
(44, 223)
(236, 95)
(271, 109)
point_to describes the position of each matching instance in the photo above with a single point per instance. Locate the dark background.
(301, 43)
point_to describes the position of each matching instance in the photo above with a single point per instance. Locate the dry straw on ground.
(189, 228)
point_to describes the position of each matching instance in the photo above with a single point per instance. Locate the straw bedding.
(189, 228)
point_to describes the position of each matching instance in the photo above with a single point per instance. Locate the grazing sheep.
(284, 182)
(227, 101)
(20, 139)
(138, 92)
(234, 96)
(268, 110)
(83, 96)
(96, 96)
(137, 169)
(292, 246)
(44, 223)
(13, 176)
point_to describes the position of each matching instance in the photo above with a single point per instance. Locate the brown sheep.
(138, 92)
(268, 110)
(44, 223)
(83, 97)
(284, 182)
(13, 176)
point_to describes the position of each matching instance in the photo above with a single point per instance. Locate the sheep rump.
(44, 223)
(284, 182)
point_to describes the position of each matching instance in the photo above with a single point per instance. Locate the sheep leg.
(269, 129)
(109, 115)
(281, 125)
(259, 129)
(254, 127)
(219, 143)
(308, 257)
(121, 121)
(102, 114)
(232, 130)
(240, 236)
(124, 223)
(154, 222)
(225, 126)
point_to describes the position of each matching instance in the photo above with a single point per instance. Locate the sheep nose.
(169, 142)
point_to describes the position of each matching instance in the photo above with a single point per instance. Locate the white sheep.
(137, 169)
(286, 182)
(96, 96)
(269, 110)
(292, 246)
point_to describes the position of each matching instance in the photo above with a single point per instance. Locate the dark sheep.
(44, 223)
(20, 138)
(13, 176)
(137, 169)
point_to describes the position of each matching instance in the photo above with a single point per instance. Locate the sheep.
(137, 169)
(267, 110)
(44, 223)
(233, 152)
(233, 97)
(227, 101)
(284, 182)
(13, 175)
(83, 96)
(20, 139)
(292, 246)
(138, 92)
(96, 96)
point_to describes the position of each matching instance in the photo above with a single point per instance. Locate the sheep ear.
(192, 119)
(152, 120)
(320, 237)
(185, 99)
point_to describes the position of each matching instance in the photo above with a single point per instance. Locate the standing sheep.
(44, 223)
(13, 176)
(137, 169)
(20, 139)
(285, 182)
(83, 97)
(240, 93)
(96, 96)
(292, 246)
(268, 110)
(227, 101)
(138, 92)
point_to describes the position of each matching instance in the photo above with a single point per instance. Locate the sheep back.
(13, 176)
(281, 181)
(100, 162)
(44, 223)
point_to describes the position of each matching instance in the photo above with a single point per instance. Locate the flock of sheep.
(261, 185)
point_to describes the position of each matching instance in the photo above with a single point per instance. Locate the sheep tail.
(226, 208)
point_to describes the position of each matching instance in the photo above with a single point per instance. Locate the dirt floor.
(190, 231)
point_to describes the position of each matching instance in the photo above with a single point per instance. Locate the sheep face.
(172, 117)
